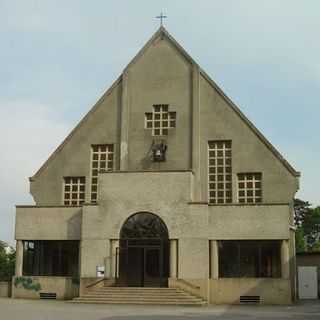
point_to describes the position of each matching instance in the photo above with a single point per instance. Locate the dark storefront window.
(249, 259)
(50, 258)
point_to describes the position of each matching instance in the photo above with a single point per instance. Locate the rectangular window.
(51, 258)
(74, 191)
(249, 187)
(220, 172)
(160, 120)
(249, 259)
(102, 159)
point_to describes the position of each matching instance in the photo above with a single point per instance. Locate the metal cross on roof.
(161, 17)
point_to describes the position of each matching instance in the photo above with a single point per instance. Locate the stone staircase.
(132, 295)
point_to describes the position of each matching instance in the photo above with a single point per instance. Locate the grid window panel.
(74, 191)
(160, 120)
(102, 159)
(220, 172)
(249, 187)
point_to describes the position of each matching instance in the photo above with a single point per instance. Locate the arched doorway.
(144, 251)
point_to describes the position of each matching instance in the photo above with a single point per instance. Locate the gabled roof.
(162, 32)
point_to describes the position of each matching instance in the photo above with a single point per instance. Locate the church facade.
(164, 183)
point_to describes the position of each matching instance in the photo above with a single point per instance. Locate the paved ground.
(58, 310)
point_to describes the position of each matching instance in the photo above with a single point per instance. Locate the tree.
(7, 263)
(311, 226)
(301, 210)
(300, 241)
(307, 221)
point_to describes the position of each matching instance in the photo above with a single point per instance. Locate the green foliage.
(76, 280)
(300, 241)
(7, 264)
(307, 220)
(27, 283)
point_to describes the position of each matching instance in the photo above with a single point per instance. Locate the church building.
(163, 185)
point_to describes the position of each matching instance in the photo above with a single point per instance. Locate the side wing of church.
(164, 183)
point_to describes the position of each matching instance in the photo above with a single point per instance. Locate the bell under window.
(160, 120)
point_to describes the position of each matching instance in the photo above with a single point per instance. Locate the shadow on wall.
(74, 226)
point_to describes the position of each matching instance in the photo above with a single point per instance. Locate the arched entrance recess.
(143, 251)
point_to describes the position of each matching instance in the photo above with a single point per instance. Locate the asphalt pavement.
(18, 309)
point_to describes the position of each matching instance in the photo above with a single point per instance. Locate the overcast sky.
(57, 57)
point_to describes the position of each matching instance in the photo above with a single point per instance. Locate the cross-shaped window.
(160, 120)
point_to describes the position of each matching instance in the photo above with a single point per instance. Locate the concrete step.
(143, 293)
(148, 289)
(185, 303)
(98, 297)
(138, 298)
(137, 295)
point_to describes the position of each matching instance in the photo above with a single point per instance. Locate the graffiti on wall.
(27, 283)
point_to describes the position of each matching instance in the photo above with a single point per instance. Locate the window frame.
(241, 245)
(254, 189)
(78, 184)
(213, 167)
(107, 168)
(157, 116)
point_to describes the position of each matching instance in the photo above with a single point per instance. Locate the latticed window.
(160, 120)
(74, 191)
(102, 159)
(220, 172)
(249, 187)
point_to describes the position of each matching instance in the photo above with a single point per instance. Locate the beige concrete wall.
(249, 222)
(160, 76)
(163, 193)
(41, 223)
(271, 291)
(167, 194)
(100, 127)
(163, 75)
(5, 289)
(219, 122)
(63, 287)
(197, 287)
(193, 258)
(94, 253)
(95, 243)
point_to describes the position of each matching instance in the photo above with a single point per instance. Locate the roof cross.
(161, 17)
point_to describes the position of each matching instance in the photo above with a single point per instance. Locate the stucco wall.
(94, 253)
(160, 76)
(62, 286)
(41, 223)
(249, 222)
(73, 159)
(5, 289)
(193, 258)
(163, 193)
(218, 121)
(271, 291)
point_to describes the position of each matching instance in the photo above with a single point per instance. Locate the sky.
(58, 57)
